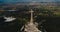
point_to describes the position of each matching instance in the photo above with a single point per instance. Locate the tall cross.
(30, 26)
(31, 20)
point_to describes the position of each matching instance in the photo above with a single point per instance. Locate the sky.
(15, 1)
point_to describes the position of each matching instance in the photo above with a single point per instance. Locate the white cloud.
(9, 19)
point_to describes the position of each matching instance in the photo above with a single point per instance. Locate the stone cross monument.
(30, 26)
